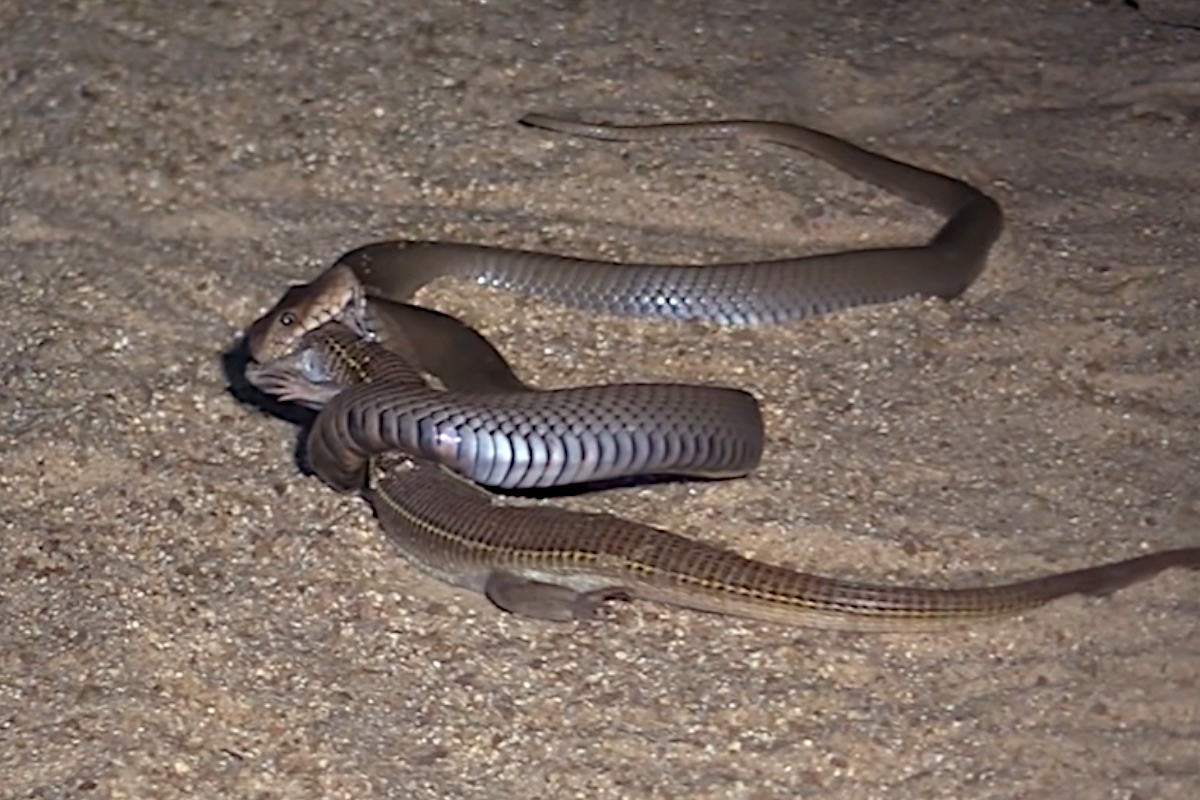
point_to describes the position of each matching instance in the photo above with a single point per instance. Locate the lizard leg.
(551, 601)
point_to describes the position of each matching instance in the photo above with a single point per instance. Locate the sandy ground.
(186, 615)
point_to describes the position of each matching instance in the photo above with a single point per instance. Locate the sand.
(185, 614)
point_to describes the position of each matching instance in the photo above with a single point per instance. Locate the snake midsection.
(749, 293)
(376, 401)
(756, 292)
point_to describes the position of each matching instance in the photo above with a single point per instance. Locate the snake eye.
(287, 319)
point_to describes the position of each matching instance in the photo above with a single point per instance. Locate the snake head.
(335, 296)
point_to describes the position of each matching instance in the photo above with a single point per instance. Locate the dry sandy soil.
(185, 614)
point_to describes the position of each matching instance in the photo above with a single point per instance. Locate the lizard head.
(316, 369)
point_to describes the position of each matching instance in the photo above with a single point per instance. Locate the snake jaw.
(354, 311)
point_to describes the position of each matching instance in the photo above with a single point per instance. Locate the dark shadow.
(233, 364)
(588, 487)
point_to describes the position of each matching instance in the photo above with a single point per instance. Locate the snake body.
(750, 293)
(347, 343)
(506, 439)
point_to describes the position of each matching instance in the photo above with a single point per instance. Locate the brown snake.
(560, 565)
